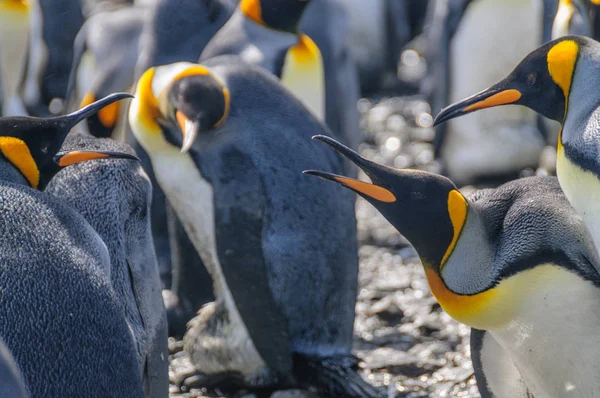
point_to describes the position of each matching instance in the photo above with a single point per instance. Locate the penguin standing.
(284, 308)
(11, 379)
(557, 80)
(463, 35)
(114, 195)
(515, 261)
(265, 33)
(105, 54)
(60, 316)
(14, 31)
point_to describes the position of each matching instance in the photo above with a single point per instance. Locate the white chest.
(554, 339)
(582, 188)
(192, 199)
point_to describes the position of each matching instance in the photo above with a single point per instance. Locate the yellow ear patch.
(192, 71)
(457, 209)
(252, 10)
(15, 5)
(148, 104)
(561, 64)
(17, 152)
(372, 191)
(227, 99)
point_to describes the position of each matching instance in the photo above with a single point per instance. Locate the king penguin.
(61, 319)
(557, 80)
(515, 261)
(265, 33)
(12, 384)
(105, 54)
(113, 195)
(258, 227)
(175, 31)
(462, 36)
(14, 33)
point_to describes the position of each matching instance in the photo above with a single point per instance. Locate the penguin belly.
(224, 345)
(502, 140)
(14, 32)
(582, 189)
(553, 338)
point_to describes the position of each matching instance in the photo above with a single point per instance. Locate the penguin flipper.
(239, 216)
(489, 358)
(333, 376)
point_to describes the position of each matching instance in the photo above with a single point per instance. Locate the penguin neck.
(463, 287)
(578, 150)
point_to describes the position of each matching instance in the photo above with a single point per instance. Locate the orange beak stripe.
(77, 156)
(373, 191)
(502, 98)
(181, 120)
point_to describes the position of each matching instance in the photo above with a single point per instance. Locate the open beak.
(68, 158)
(189, 130)
(493, 96)
(372, 170)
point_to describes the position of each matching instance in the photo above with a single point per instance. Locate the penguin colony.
(189, 207)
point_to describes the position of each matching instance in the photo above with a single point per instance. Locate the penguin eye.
(531, 78)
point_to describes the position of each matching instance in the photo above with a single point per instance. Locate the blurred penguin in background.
(492, 144)
(378, 31)
(105, 55)
(14, 33)
(54, 25)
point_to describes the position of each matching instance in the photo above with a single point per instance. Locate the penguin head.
(542, 82)
(192, 100)
(31, 144)
(427, 208)
(282, 15)
(102, 123)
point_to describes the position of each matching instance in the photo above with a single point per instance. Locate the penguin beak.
(72, 119)
(373, 170)
(493, 96)
(189, 130)
(68, 158)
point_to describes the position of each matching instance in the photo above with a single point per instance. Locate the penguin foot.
(333, 377)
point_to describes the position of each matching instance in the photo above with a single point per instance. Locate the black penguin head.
(424, 207)
(102, 123)
(542, 82)
(30, 144)
(277, 14)
(192, 101)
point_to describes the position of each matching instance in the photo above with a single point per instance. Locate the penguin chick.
(11, 379)
(14, 31)
(60, 317)
(557, 81)
(114, 197)
(515, 261)
(256, 225)
(105, 54)
(265, 33)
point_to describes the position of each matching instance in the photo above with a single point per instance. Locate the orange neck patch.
(148, 104)
(252, 10)
(17, 153)
(306, 50)
(15, 5)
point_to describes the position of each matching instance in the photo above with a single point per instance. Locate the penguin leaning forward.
(515, 261)
(61, 319)
(113, 195)
(284, 310)
(265, 33)
(558, 81)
